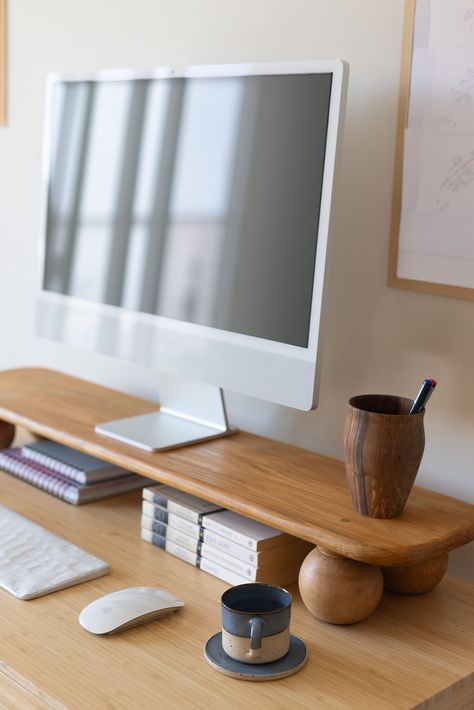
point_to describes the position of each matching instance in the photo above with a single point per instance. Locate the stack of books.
(227, 545)
(68, 474)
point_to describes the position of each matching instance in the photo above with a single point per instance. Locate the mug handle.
(256, 633)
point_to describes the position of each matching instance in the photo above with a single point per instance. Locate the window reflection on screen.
(195, 199)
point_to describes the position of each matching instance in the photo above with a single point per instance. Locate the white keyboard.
(34, 561)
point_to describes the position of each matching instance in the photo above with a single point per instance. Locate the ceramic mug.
(256, 622)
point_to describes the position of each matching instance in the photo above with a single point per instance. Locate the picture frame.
(445, 278)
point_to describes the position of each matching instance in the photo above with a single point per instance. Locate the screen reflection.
(194, 199)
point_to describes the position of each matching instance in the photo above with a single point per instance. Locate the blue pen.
(421, 399)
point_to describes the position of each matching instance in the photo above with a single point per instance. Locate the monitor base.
(191, 412)
(159, 431)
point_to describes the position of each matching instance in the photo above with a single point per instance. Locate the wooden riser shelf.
(297, 491)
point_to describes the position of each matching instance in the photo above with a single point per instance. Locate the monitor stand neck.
(190, 412)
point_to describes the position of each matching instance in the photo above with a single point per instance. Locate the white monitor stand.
(190, 412)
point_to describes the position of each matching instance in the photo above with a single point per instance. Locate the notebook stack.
(68, 474)
(227, 545)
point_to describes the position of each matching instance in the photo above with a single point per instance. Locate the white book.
(287, 574)
(283, 571)
(179, 502)
(230, 547)
(172, 526)
(192, 542)
(171, 547)
(271, 558)
(245, 531)
(197, 547)
(221, 572)
(233, 564)
(187, 556)
(170, 533)
(171, 519)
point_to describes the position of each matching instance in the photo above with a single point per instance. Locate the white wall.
(378, 339)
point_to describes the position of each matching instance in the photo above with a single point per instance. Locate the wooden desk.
(412, 652)
(296, 491)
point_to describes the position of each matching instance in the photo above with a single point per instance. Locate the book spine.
(214, 554)
(233, 564)
(185, 526)
(177, 509)
(194, 559)
(40, 479)
(154, 526)
(182, 539)
(65, 469)
(171, 506)
(221, 572)
(231, 548)
(155, 512)
(190, 533)
(171, 519)
(170, 534)
(188, 556)
(231, 534)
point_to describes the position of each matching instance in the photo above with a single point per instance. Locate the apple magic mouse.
(126, 608)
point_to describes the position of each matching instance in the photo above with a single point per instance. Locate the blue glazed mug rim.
(261, 586)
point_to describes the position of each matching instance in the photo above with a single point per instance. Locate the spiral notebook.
(12, 461)
(75, 465)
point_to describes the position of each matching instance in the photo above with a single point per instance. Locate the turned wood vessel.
(383, 448)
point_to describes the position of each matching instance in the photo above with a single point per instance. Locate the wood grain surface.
(14, 696)
(338, 590)
(7, 433)
(412, 652)
(417, 578)
(383, 448)
(297, 491)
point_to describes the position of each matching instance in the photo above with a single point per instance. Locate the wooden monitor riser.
(297, 491)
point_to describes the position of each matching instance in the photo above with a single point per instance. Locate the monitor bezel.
(278, 372)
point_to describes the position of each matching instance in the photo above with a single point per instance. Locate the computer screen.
(186, 219)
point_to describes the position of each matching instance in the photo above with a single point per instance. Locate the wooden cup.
(383, 447)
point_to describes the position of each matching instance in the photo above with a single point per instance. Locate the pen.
(421, 399)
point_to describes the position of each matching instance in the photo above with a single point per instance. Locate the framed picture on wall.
(3, 62)
(432, 243)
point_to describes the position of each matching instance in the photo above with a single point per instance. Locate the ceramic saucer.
(289, 664)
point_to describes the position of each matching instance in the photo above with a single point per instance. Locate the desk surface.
(413, 652)
(297, 491)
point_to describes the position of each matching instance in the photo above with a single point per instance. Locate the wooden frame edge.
(404, 93)
(434, 288)
(3, 62)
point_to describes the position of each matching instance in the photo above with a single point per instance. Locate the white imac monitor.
(186, 222)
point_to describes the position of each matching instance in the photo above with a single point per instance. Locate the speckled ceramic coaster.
(289, 664)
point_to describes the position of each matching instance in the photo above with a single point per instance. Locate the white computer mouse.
(126, 608)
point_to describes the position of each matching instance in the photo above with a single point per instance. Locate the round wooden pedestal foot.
(337, 589)
(7, 434)
(418, 578)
